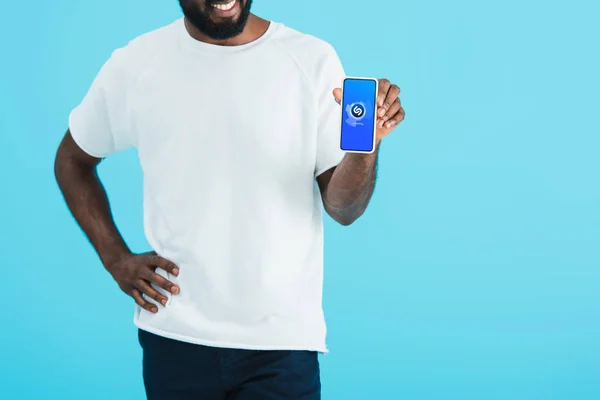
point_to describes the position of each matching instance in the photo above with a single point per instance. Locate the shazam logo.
(356, 112)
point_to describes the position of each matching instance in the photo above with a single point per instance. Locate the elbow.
(345, 221)
(348, 220)
(345, 213)
(345, 217)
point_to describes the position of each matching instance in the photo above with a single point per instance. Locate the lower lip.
(231, 12)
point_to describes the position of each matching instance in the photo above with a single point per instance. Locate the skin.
(346, 189)
(77, 177)
(255, 27)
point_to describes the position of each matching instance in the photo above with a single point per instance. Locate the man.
(237, 129)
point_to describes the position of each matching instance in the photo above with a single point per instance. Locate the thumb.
(337, 94)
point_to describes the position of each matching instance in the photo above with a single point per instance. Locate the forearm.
(351, 187)
(87, 200)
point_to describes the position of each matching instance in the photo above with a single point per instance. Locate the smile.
(226, 6)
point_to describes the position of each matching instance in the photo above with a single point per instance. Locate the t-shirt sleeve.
(331, 75)
(100, 123)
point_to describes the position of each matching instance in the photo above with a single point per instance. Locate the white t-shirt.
(230, 140)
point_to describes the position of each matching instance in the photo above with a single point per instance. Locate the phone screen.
(358, 114)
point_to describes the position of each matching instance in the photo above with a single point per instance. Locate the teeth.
(226, 6)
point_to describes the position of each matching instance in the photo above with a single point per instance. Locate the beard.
(200, 17)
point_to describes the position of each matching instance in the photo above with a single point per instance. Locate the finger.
(395, 121)
(394, 108)
(150, 292)
(163, 263)
(137, 296)
(384, 86)
(391, 96)
(337, 94)
(162, 282)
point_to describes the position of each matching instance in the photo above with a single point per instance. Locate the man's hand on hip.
(136, 273)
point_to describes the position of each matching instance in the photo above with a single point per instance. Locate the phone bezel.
(373, 144)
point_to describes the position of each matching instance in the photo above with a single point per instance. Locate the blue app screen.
(358, 114)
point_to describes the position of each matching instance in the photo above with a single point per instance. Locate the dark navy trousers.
(175, 370)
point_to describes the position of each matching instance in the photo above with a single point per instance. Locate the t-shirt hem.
(79, 143)
(227, 345)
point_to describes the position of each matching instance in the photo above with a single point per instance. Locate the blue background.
(359, 137)
(475, 273)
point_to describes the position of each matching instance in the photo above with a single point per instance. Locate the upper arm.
(100, 123)
(69, 153)
(323, 181)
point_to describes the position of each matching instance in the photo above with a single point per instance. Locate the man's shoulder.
(310, 53)
(139, 51)
(155, 39)
(304, 45)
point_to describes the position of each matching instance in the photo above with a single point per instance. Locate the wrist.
(112, 257)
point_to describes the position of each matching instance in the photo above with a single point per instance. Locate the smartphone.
(359, 106)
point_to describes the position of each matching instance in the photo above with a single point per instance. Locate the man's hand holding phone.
(388, 108)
